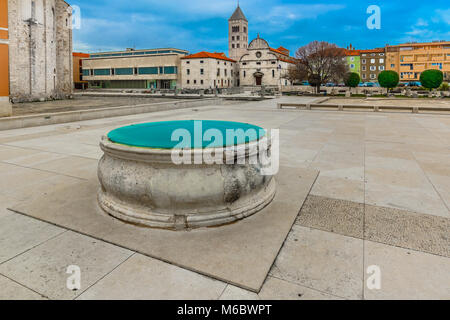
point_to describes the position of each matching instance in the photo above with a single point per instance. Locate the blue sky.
(197, 25)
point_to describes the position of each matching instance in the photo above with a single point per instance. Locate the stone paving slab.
(323, 261)
(145, 278)
(241, 253)
(44, 268)
(333, 215)
(421, 232)
(13, 291)
(276, 289)
(407, 274)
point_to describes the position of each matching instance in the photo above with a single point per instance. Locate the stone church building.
(253, 64)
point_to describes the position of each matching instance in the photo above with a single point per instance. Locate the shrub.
(431, 79)
(352, 79)
(444, 86)
(388, 79)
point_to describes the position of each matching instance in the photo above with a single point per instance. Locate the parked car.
(330, 84)
(304, 83)
(361, 84)
(414, 84)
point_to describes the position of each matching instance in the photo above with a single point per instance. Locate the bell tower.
(237, 34)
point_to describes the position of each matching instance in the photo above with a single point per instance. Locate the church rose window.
(258, 54)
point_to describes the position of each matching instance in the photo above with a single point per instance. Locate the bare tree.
(319, 62)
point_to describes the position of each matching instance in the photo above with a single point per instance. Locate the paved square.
(382, 198)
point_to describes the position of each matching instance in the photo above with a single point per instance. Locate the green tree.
(431, 79)
(352, 80)
(388, 79)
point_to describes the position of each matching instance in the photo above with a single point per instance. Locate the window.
(195, 81)
(148, 70)
(126, 71)
(258, 54)
(187, 81)
(170, 70)
(201, 61)
(373, 76)
(364, 76)
(352, 66)
(202, 71)
(244, 63)
(102, 72)
(381, 60)
(232, 38)
(112, 72)
(86, 72)
(238, 38)
(235, 29)
(188, 71)
(352, 59)
(273, 62)
(244, 74)
(392, 65)
(373, 68)
(372, 60)
(232, 45)
(237, 46)
(363, 68)
(225, 72)
(381, 68)
(161, 70)
(218, 72)
(258, 63)
(364, 61)
(135, 70)
(364, 55)
(381, 54)
(245, 29)
(273, 73)
(201, 81)
(188, 62)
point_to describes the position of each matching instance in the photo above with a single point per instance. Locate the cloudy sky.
(197, 25)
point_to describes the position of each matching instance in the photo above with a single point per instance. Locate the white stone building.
(262, 65)
(207, 70)
(40, 50)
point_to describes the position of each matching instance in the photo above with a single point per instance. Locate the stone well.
(142, 184)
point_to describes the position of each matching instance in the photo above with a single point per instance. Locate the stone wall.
(40, 50)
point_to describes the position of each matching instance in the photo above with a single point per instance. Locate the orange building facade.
(78, 81)
(409, 60)
(5, 106)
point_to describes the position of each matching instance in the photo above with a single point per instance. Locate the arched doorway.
(258, 78)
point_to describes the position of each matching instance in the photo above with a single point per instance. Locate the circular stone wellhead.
(143, 182)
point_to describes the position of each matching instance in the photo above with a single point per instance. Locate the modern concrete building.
(151, 68)
(262, 65)
(78, 81)
(40, 49)
(5, 106)
(372, 63)
(411, 59)
(207, 70)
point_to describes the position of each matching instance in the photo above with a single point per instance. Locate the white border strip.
(4, 29)
(4, 41)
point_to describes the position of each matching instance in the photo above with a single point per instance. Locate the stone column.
(5, 105)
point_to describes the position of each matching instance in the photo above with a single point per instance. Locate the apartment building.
(409, 60)
(353, 60)
(372, 63)
(138, 69)
(207, 70)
